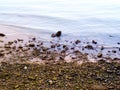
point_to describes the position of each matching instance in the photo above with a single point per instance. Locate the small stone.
(31, 45)
(64, 46)
(94, 42)
(58, 34)
(52, 46)
(20, 40)
(2, 35)
(118, 43)
(89, 47)
(102, 48)
(25, 67)
(53, 35)
(50, 82)
(1, 54)
(33, 39)
(77, 41)
(99, 55)
(114, 51)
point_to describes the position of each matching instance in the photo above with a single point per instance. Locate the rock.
(118, 43)
(32, 45)
(53, 35)
(25, 67)
(50, 82)
(99, 55)
(102, 48)
(68, 59)
(20, 40)
(1, 54)
(77, 41)
(2, 35)
(110, 36)
(94, 42)
(89, 47)
(52, 46)
(33, 39)
(64, 46)
(58, 34)
(114, 51)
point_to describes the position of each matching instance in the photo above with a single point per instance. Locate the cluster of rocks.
(54, 51)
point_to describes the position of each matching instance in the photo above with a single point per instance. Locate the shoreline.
(19, 45)
(35, 64)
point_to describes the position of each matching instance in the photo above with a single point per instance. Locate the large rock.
(57, 34)
(2, 35)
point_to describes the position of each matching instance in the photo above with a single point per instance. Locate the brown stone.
(99, 55)
(89, 47)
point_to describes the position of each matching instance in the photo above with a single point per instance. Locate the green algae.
(60, 76)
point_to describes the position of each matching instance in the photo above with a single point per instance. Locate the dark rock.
(77, 41)
(33, 39)
(61, 58)
(101, 61)
(100, 78)
(102, 48)
(20, 47)
(118, 73)
(94, 42)
(2, 35)
(118, 43)
(53, 35)
(76, 51)
(1, 54)
(58, 34)
(20, 40)
(52, 46)
(110, 36)
(99, 55)
(72, 48)
(89, 47)
(64, 46)
(114, 51)
(32, 45)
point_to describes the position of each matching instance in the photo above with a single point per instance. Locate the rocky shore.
(54, 65)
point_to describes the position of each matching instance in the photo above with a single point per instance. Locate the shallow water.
(77, 19)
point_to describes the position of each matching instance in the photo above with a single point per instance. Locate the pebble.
(94, 42)
(2, 35)
(99, 55)
(25, 67)
(89, 47)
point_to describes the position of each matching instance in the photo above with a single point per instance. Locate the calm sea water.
(77, 19)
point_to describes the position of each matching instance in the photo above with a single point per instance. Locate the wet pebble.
(99, 55)
(2, 35)
(114, 51)
(89, 47)
(53, 35)
(31, 45)
(94, 42)
(1, 54)
(77, 41)
(58, 34)
(52, 46)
